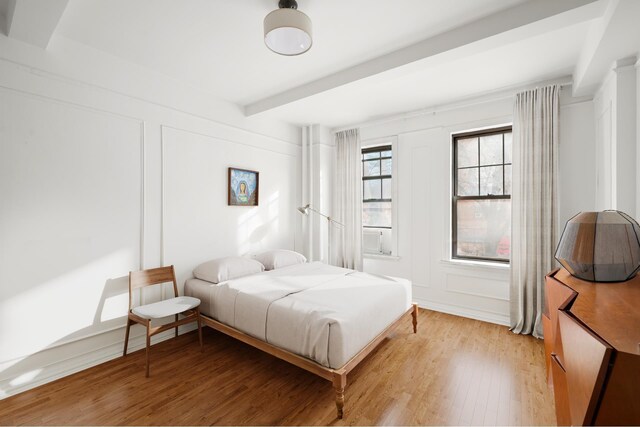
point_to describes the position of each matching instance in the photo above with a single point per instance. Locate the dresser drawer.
(558, 296)
(560, 393)
(548, 345)
(586, 358)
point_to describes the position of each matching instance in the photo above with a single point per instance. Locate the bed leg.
(414, 315)
(339, 384)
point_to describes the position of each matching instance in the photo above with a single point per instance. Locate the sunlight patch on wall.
(256, 226)
(274, 212)
(115, 306)
(67, 305)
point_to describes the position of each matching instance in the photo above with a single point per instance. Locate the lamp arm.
(327, 217)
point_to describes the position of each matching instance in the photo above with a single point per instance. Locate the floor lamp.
(304, 210)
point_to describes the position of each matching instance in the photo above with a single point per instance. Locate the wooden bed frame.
(337, 376)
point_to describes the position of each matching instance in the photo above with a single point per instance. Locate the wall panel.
(197, 223)
(81, 198)
(71, 220)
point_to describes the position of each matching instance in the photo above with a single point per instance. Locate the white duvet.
(324, 313)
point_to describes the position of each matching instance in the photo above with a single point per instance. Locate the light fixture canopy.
(287, 31)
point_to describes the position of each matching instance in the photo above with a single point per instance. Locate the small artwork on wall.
(244, 187)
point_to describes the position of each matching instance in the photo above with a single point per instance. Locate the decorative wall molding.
(258, 147)
(163, 157)
(70, 103)
(105, 113)
(450, 287)
(471, 313)
(143, 201)
(83, 84)
(66, 366)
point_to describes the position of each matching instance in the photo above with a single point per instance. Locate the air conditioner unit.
(372, 241)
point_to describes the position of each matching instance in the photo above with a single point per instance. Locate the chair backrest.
(153, 276)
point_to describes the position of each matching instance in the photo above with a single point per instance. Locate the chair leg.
(414, 315)
(126, 337)
(199, 329)
(148, 348)
(176, 326)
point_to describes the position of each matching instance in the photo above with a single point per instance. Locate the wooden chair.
(143, 314)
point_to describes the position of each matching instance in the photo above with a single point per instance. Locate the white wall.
(577, 158)
(324, 159)
(616, 139)
(106, 167)
(424, 201)
(318, 178)
(197, 223)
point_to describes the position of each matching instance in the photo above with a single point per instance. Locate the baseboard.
(470, 313)
(68, 366)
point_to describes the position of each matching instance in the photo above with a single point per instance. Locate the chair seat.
(166, 307)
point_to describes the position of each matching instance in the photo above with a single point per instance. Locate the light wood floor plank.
(453, 371)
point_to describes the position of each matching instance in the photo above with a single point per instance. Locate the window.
(377, 165)
(482, 195)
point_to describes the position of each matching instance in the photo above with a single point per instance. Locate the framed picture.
(244, 186)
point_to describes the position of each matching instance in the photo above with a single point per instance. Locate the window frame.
(373, 144)
(455, 198)
(377, 149)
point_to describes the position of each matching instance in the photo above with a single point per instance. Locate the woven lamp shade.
(600, 246)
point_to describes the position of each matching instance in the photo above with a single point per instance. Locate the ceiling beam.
(616, 36)
(34, 21)
(486, 33)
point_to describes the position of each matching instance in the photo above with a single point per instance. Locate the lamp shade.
(287, 31)
(600, 246)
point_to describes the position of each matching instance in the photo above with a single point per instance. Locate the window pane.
(467, 152)
(386, 188)
(371, 168)
(507, 179)
(376, 214)
(468, 182)
(491, 180)
(491, 149)
(372, 189)
(386, 153)
(484, 228)
(386, 167)
(374, 155)
(507, 147)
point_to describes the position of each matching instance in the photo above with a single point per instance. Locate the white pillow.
(279, 258)
(222, 269)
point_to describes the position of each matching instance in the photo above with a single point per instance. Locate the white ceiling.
(369, 58)
(442, 83)
(218, 44)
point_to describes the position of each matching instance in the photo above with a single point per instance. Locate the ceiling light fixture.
(287, 31)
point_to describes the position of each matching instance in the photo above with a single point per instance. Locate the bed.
(322, 318)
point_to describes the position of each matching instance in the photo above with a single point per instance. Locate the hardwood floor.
(454, 371)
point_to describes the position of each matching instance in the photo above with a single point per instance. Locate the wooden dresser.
(592, 347)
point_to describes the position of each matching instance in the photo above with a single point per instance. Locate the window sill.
(381, 257)
(476, 264)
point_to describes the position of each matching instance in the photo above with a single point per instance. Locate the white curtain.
(534, 204)
(348, 200)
